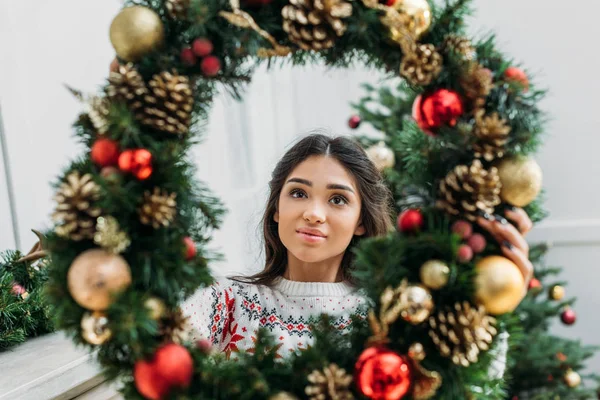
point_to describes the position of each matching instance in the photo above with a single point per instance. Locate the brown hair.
(374, 194)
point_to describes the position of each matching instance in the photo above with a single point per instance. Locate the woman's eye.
(298, 194)
(339, 200)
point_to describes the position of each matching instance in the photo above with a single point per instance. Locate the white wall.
(44, 45)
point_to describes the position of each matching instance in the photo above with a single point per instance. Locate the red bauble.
(410, 221)
(442, 107)
(354, 121)
(136, 161)
(105, 152)
(188, 57)
(464, 229)
(535, 284)
(148, 382)
(202, 47)
(174, 363)
(210, 66)
(517, 75)
(190, 248)
(477, 242)
(464, 253)
(382, 374)
(204, 345)
(568, 317)
(17, 289)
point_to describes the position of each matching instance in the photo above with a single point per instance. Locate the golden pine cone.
(331, 384)
(477, 83)
(492, 133)
(466, 190)
(462, 333)
(75, 212)
(158, 209)
(168, 105)
(315, 24)
(422, 65)
(127, 85)
(459, 45)
(178, 9)
(176, 327)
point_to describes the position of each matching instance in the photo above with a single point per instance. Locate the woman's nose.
(314, 213)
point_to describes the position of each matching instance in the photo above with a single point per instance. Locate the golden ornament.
(158, 208)
(94, 328)
(421, 65)
(419, 304)
(572, 378)
(491, 133)
(95, 276)
(332, 383)
(521, 179)
(500, 286)
(135, 32)
(283, 396)
(419, 16)
(109, 235)
(557, 292)
(462, 333)
(156, 307)
(434, 274)
(382, 156)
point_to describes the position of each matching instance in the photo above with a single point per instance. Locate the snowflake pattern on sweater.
(229, 313)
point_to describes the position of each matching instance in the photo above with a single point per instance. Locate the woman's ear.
(360, 230)
(276, 216)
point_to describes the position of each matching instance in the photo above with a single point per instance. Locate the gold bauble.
(156, 307)
(418, 304)
(419, 13)
(521, 179)
(382, 156)
(95, 276)
(557, 292)
(434, 274)
(135, 32)
(499, 284)
(572, 379)
(94, 328)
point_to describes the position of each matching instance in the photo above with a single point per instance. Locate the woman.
(325, 195)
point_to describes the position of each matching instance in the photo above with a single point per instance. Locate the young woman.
(325, 195)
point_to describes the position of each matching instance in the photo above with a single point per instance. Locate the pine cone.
(331, 384)
(462, 333)
(176, 327)
(459, 45)
(127, 85)
(168, 107)
(178, 9)
(422, 65)
(492, 134)
(97, 111)
(477, 83)
(469, 189)
(158, 208)
(315, 24)
(75, 213)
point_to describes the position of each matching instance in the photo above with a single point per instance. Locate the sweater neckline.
(313, 289)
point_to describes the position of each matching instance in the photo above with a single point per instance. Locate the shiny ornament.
(382, 156)
(477, 242)
(382, 374)
(354, 121)
(148, 382)
(462, 228)
(572, 378)
(174, 363)
(419, 14)
(464, 253)
(499, 284)
(202, 47)
(95, 276)
(434, 274)
(418, 304)
(556, 293)
(210, 66)
(204, 345)
(514, 74)
(188, 57)
(568, 316)
(112, 175)
(156, 307)
(332, 382)
(442, 107)
(109, 235)
(190, 248)
(410, 221)
(94, 328)
(521, 179)
(105, 152)
(137, 162)
(535, 285)
(135, 32)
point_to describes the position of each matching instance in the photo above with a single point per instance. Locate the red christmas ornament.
(535, 284)
(210, 66)
(188, 57)
(17, 289)
(190, 248)
(515, 74)
(204, 345)
(202, 47)
(382, 374)
(568, 316)
(410, 221)
(463, 229)
(105, 152)
(174, 363)
(477, 242)
(148, 382)
(354, 121)
(442, 107)
(136, 161)
(464, 253)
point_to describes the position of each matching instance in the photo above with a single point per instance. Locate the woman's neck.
(323, 271)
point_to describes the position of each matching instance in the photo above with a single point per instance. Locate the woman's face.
(318, 210)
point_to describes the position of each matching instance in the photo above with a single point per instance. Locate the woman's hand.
(511, 238)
